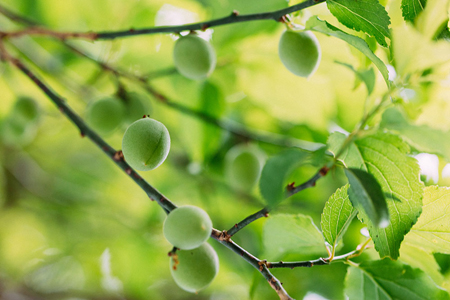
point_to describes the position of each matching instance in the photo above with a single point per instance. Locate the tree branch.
(233, 18)
(109, 35)
(259, 214)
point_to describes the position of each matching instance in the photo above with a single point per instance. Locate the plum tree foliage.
(244, 124)
(146, 144)
(187, 227)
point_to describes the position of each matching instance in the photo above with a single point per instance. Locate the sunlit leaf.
(421, 137)
(368, 16)
(432, 231)
(387, 279)
(424, 260)
(414, 52)
(336, 216)
(284, 234)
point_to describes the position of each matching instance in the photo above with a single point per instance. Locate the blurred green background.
(74, 226)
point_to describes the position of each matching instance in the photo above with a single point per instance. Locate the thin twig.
(15, 17)
(259, 214)
(234, 17)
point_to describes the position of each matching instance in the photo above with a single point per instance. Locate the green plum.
(194, 57)
(19, 127)
(105, 115)
(187, 227)
(299, 52)
(243, 166)
(146, 144)
(25, 110)
(194, 269)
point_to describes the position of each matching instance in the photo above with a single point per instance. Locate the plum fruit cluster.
(108, 114)
(146, 144)
(299, 51)
(195, 263)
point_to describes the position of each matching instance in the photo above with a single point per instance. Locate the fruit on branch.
(146, 144)
(105, 115)
(19, 127)
(187, 227)
(299, 52)
(194, 57)
(136, 108)
(243, 165)
(194, 269)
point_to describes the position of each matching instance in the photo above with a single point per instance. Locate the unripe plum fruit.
(195, 269)
(136, 107)
(194, 57)
(105, 115)
(25, 111)
(243, 166)
(146, 144)
(187, 227)
(299, 52)
(19, 127)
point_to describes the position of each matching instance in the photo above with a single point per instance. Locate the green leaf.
(411, 8)
(272, 183)
(212, 103)
(283, 234)
(387, 279)
(420, 137)
(351, 156)
(414, 53)
(367, 197)
(424, 260)
(324, 27)
(432, 231)
(368, 16)
(336, 216)
(366, 76)
(385, 157)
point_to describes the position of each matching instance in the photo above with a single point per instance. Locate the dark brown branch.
(234, 17)
(255, 262)
(15, 17)
(291, 265)
(259, 214)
